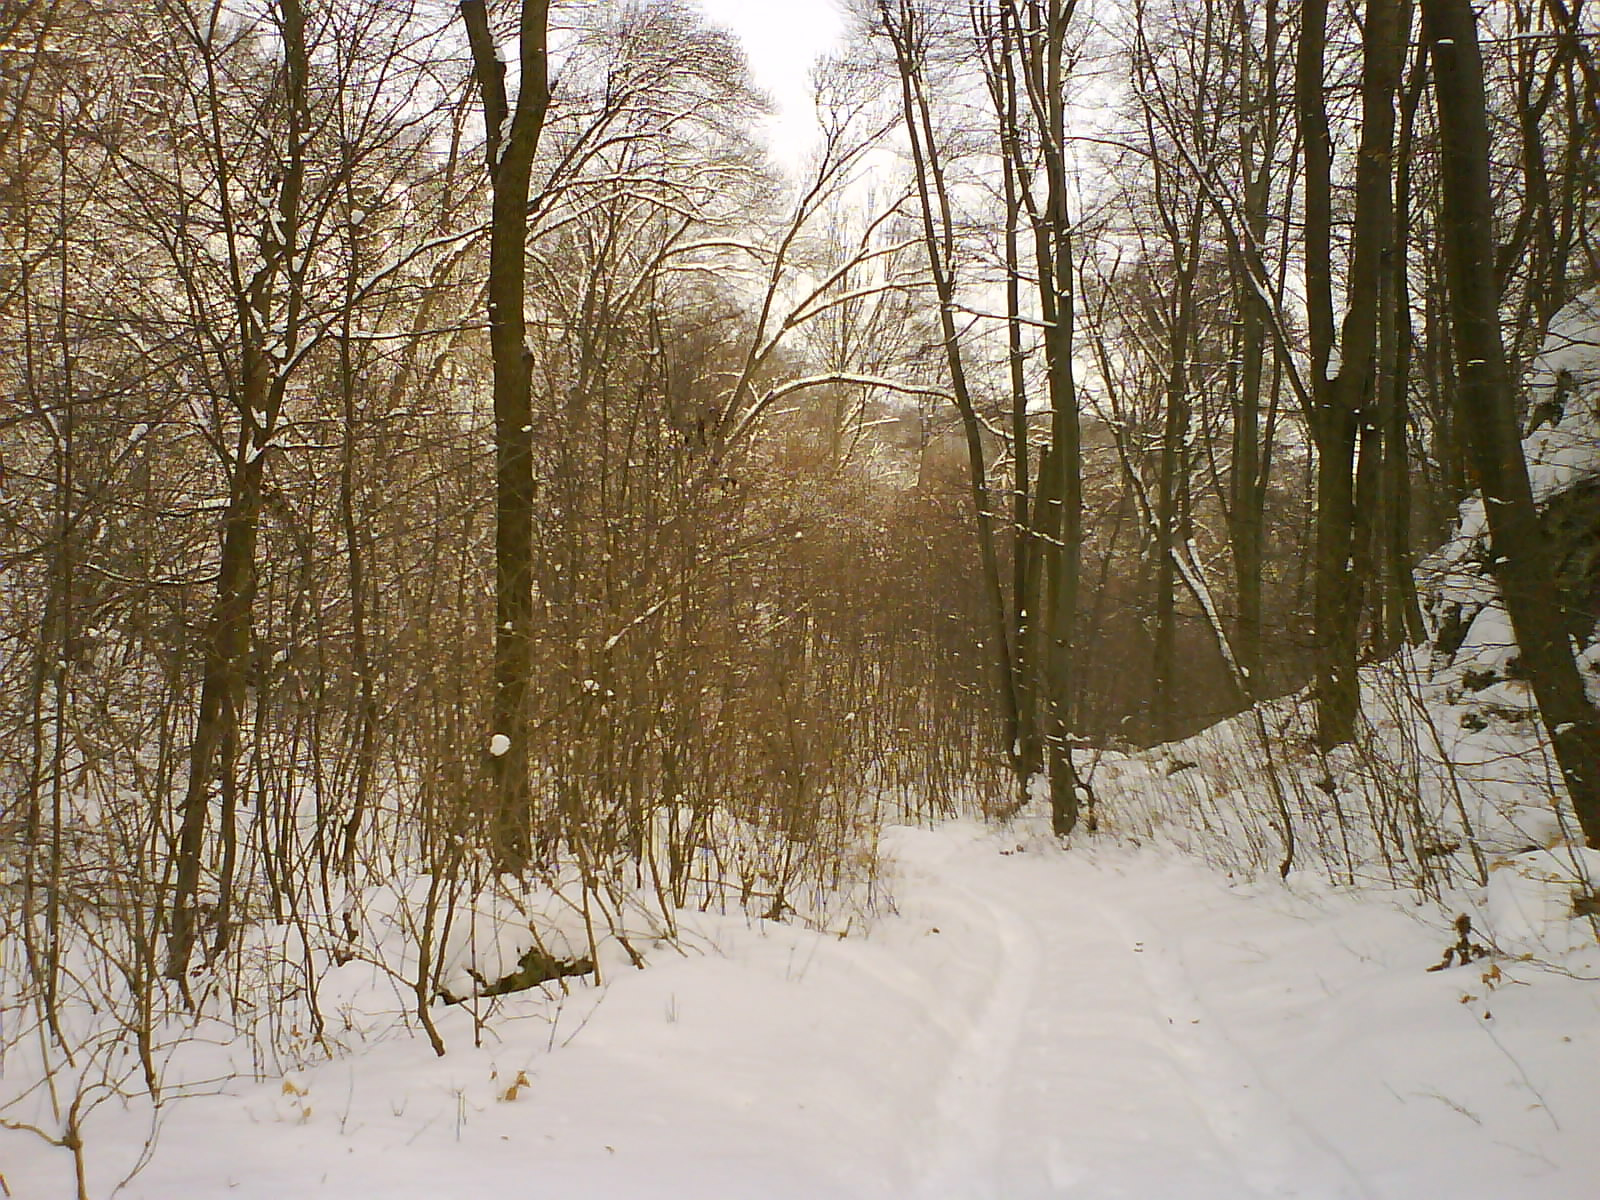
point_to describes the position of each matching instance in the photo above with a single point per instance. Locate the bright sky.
(783, 38)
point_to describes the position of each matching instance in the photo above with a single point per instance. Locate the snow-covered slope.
(1563, 442)
(1472, 641)
(1450, 788)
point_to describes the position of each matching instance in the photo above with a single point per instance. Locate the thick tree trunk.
(1401, 618)
(1173, 482)
(1520, 550)
(1260, 129)
(1330, 435)
(1058, 511)
(512, 141)
(213, 756)
(1344, 405)
(1025, 602)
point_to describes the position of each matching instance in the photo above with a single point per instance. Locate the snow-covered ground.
(1149, 1013)
(1108, 1020)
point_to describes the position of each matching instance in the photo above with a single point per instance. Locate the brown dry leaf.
(516, 1087)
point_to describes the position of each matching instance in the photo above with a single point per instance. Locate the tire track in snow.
(1102, 1108)
(961, 1155)
(1022, 1111)
(1276, 1152)
(1092, 1069)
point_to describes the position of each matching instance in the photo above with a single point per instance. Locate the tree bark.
(1258, 135)
(898, 20)
(1343, 404)
(1520, 550)
(269, 326)
(512, 139)
(1058, 509)
(1401, 615)
(1025, 601)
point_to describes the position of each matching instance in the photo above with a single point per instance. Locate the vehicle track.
(1091, 1068)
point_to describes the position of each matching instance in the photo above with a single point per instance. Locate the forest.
(469, 511)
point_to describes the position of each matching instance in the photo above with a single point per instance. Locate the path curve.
(1090, 1067)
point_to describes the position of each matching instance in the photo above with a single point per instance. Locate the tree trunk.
(1058, 511)
(1401, 617)
(269, 326)
(1343, 406)
(1260, 127)
(1173, 479)
(512, 141)
(1520, 550)
(214, 754)
(1025, 599)
(898, 21)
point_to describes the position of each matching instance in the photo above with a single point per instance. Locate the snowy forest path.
(1019, 1022)
(1091, 1067)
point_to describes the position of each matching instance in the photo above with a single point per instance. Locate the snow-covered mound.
(1563, 442)
(1472, 641)
(1542, 902)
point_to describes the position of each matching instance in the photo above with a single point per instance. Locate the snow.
(1039, 788)
(1531, 899)
(1147, 1011)
(1490, 643)
(1562, 449)
(1564, 398)
(1110, 1020)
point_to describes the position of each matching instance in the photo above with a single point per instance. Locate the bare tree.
(1520, 554)
(906, 27)
(1343, 389)
(511, 140)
